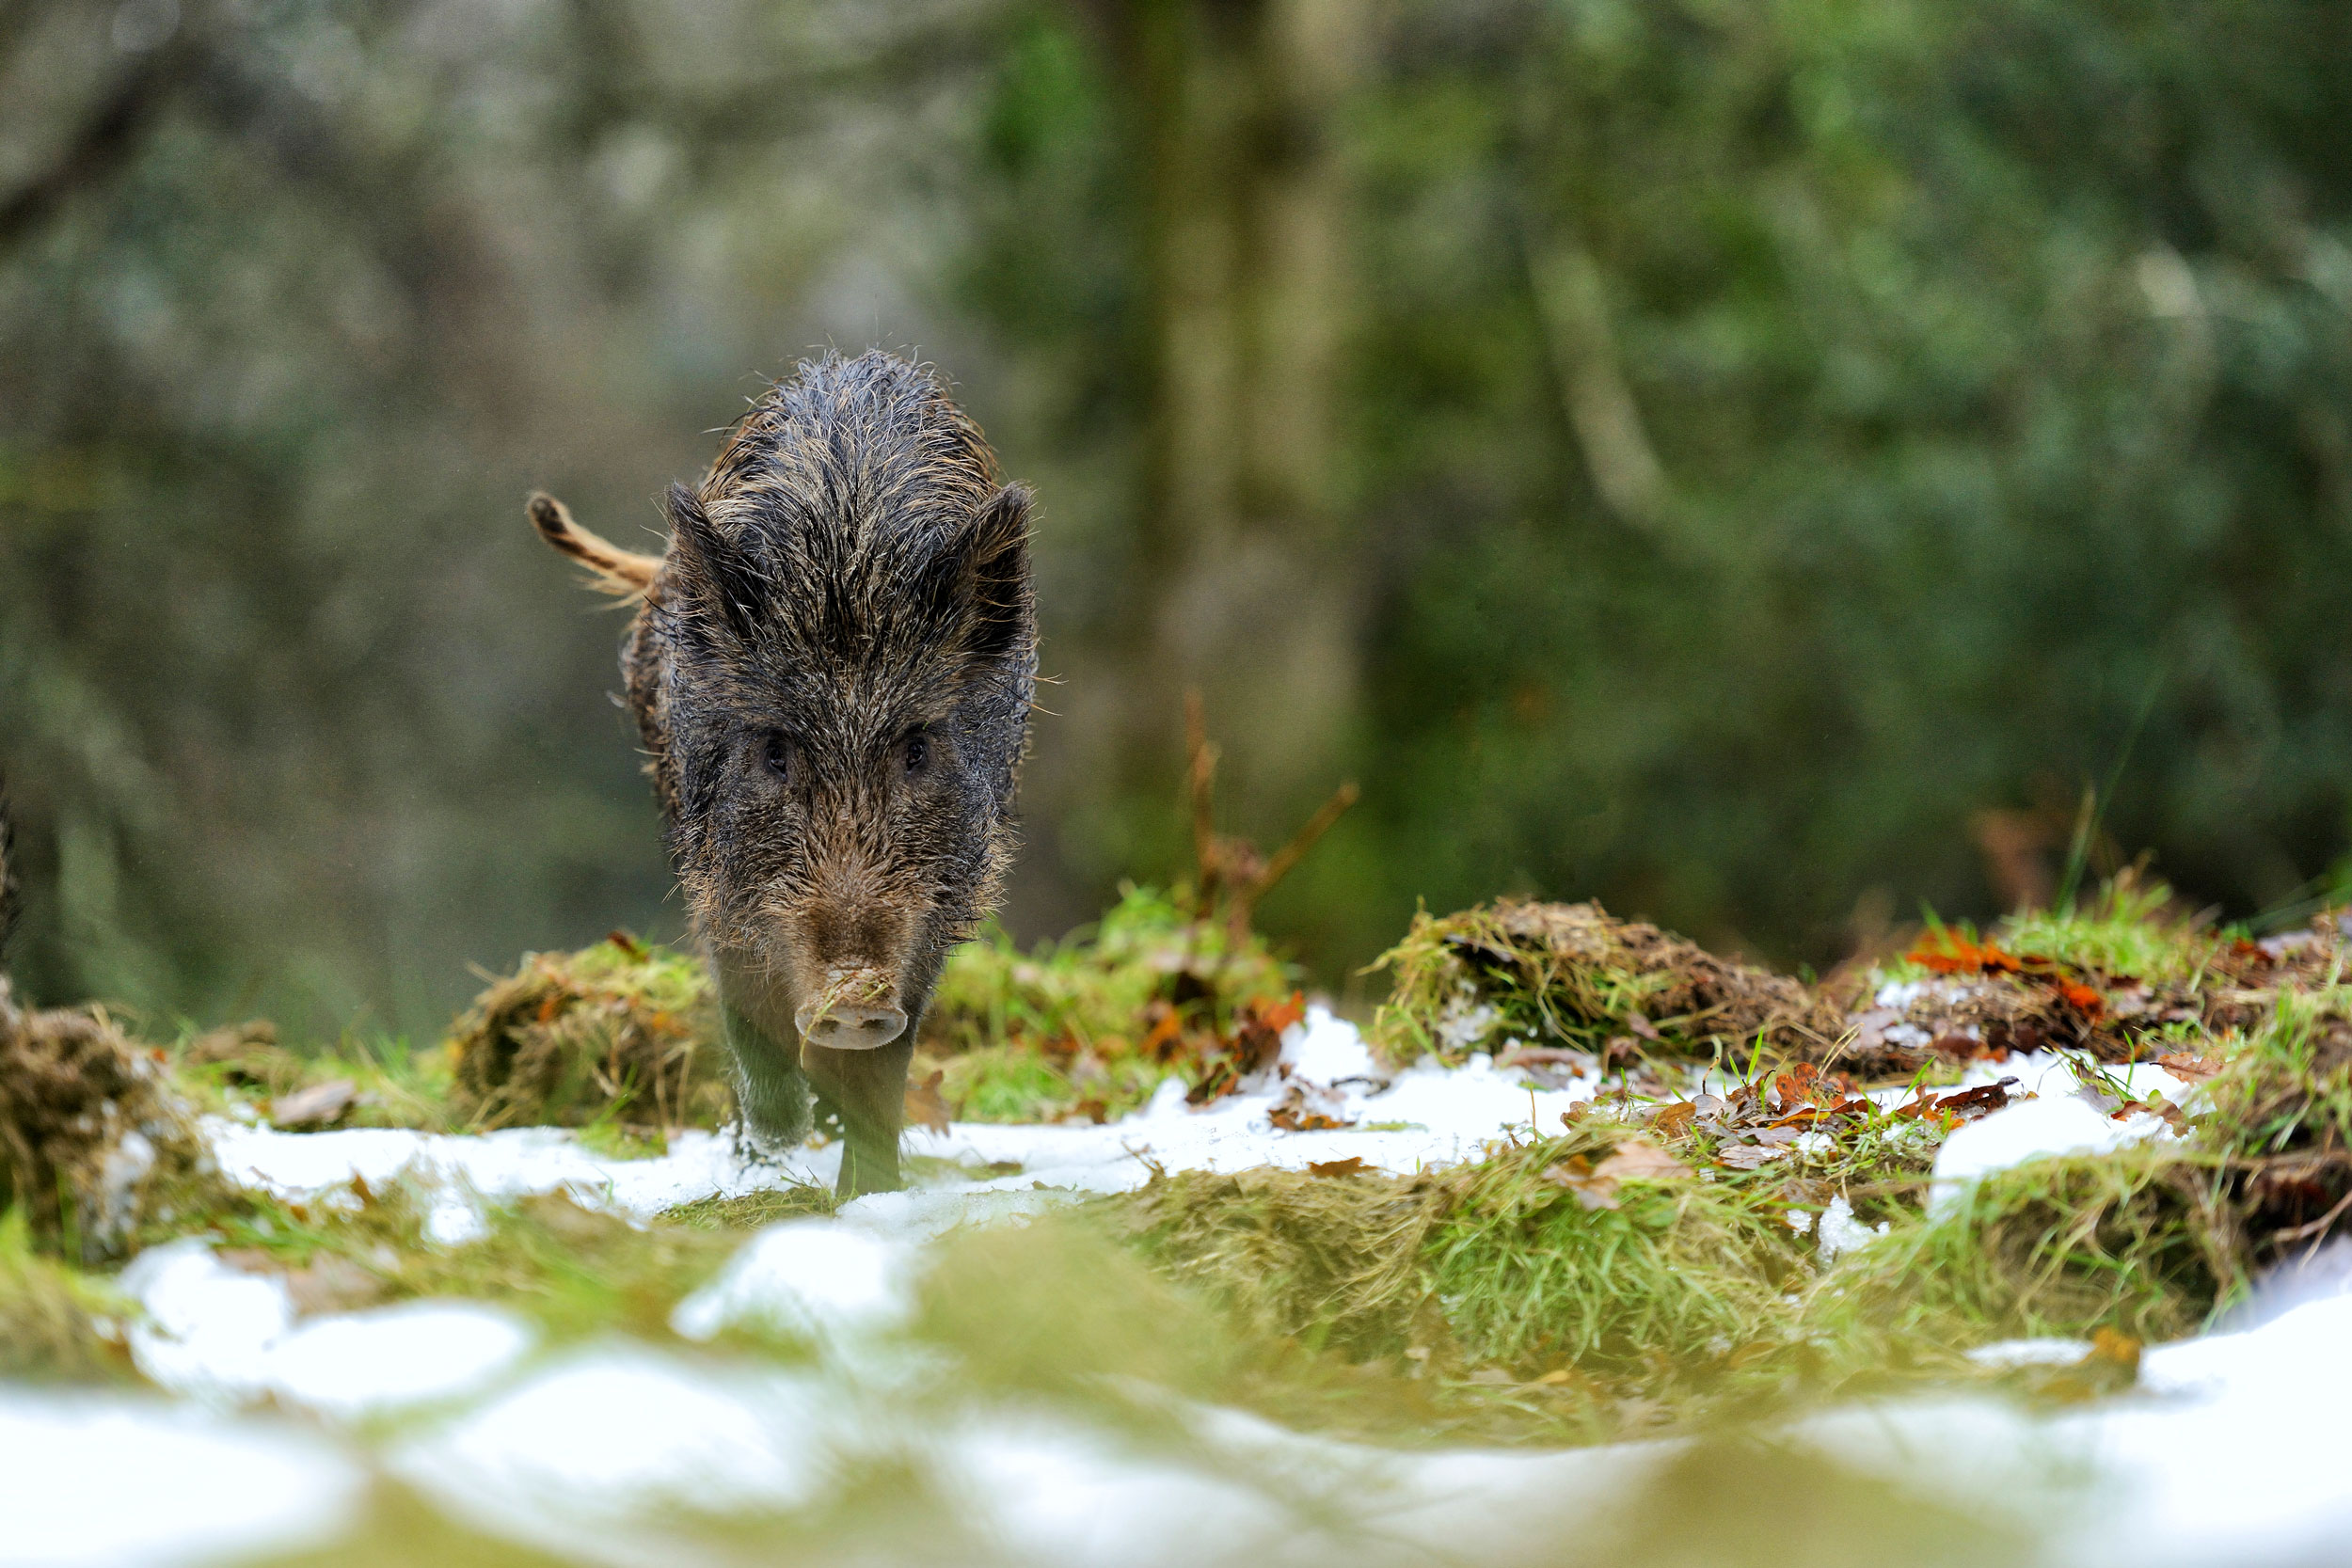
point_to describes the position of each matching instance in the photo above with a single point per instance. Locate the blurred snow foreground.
(619, 1453)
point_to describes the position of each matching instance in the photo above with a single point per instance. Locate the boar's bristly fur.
(832, 667)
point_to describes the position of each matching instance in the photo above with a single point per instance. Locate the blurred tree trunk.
(1245, 239)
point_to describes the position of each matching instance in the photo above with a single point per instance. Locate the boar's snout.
(855, 1011)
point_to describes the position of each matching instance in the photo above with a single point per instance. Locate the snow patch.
(105, 1479)
(222, 1337)
(811, 1278)
(2029, 1129)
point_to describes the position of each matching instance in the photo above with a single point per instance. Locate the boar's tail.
(620, 572)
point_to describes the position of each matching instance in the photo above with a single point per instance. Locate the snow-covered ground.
(272, 1427)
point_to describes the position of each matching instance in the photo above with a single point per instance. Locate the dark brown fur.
(832, 669)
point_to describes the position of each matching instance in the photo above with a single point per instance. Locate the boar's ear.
(997, 608)
(714, 574)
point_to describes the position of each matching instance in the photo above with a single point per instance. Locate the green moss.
(577, 1272)
(1573, 975)
(1092, 1023)
(1492, 1264)
(2142, 1241)
(57, 1323)
(619, 1032)
(1686, 1272)
(244, 1068)
(2130, 928)
(750, 1211)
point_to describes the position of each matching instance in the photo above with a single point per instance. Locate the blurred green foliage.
(1699, 455)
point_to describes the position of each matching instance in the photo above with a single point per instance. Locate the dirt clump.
(619, 1032)
(95, 1145)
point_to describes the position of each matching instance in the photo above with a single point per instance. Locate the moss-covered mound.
(97, 1146)
(1088, 1027)
(2124, 976)
(1596, 1250)
(620, 1033)
(1575, 974)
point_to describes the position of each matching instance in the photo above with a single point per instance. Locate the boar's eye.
(918, 751)
(775, 754)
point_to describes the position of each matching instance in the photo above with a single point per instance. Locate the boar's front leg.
(867, 1090)
(770, 1090)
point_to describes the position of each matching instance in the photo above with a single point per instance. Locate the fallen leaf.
(1871, 1027)
(1575, 1174)
(1279, 1015)
(2086, 1000)
(2181, 1064)
(1166, 1034)
(1747, 1156)
(1641, 1026)
(317, 1106)
(1641, 1162)
(1303, 1107)
(1595, 1187)
(1674, 1121)
(2120, 1348)
(1950, 953)
(1982, 1101)
(1351, 1166)
(925, 1105)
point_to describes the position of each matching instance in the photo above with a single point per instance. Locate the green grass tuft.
(2144, 1243)
(58, 1324)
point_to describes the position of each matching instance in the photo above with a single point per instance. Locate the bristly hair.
(7, 877)
(855, 516)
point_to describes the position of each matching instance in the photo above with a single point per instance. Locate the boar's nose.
(852, 1026)
(852, 1013)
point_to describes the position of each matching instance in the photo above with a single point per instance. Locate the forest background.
(1755, 462)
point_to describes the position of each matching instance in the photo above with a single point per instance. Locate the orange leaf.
(1279, 1015)
(1950, 953)
(2082, 998)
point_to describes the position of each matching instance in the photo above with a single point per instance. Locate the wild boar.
(831, 666)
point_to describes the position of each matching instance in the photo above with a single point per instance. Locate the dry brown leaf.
(2181, 1064)
(1595, 1187)
(319, 1105)
(1351, 1166)
(925, 1105)
(2120, 1348)
(1641, 1162)
(1302, 1108)
(1674, 1120)
(1747, 1156)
